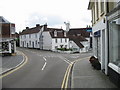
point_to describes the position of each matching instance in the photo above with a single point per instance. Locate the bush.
(64, 49)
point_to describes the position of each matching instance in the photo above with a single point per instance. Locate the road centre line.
(44, 64)
(44, 58)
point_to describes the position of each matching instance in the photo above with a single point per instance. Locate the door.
(103, 51)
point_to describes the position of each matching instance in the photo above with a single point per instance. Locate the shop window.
(114, 41)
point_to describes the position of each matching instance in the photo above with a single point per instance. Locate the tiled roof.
(3, 20)
(60, 33)
(79, 31)
(31, 30)
(77, 40)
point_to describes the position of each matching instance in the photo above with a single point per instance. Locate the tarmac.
(85, 76)
(9, 63)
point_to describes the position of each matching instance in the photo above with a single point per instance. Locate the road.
(44, 69)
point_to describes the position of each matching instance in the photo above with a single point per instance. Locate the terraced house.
(7, 37)
(106, 30)
(54, 39)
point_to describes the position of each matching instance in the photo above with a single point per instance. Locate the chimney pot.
(37, 25)
(27, 27)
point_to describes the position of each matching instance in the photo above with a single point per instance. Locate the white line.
(65, 60)
(44, 65)
(44, 58)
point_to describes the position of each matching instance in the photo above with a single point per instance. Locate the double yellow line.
(67, 74)
(8, 73)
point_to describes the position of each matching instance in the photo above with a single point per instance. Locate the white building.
(41, 37)
(80, 40)
(31, 37)
(104, 12)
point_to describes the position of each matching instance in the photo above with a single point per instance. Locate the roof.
(77, 40)
(91, 2)
(3, 20)
(79, 31)
(59, 32)
(31, 30)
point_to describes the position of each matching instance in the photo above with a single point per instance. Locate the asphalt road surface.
(44, 69)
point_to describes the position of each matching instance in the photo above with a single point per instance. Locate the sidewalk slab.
(10, 62)
(84, 76)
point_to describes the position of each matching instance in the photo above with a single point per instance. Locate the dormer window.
(65, 34)
(55, 33)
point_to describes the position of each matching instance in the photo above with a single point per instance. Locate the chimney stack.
(37, 25)
(27, 27)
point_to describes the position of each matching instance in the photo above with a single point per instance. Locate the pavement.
(10, 62)
(84, 76)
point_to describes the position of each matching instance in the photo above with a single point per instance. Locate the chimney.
(37, 25)
(45, 26)
(27, 27)
(65, 34)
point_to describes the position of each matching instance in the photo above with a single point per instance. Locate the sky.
(28, 13)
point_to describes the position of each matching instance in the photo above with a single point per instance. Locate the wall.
(47, 41)
(59, 43)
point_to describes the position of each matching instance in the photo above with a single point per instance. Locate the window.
(56, 47)
(61, 40)
(56, 40)
(102, 6)
(36, 42)
(36, 35)
(65, 46)
(29, 42)
(29, 35)
(97, 11)
(114, 41)
(65, 39)
(93, 14)
(24, 36)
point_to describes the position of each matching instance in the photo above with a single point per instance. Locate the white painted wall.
(74, 46)
(26, 39)
(47, 41)
(103, 42)
(59, 43)
(86, 45)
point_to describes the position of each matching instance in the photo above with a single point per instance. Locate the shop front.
(114, 45)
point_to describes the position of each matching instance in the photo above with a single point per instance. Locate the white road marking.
(44, 64)
(44, 58)
(67, 61)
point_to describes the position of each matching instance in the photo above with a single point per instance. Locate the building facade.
(113, 22)
(31, 37)
(54, 39)
(101, 36)
(7, 37)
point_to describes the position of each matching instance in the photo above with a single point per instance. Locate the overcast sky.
(28, 13)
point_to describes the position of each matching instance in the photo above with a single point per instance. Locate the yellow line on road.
(8, 73)
(67, 74)
(65, 77)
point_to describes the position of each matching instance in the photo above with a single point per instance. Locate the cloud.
(39, 18)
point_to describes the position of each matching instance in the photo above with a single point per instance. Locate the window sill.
(114, 67)
(102, 14)
(97, 19)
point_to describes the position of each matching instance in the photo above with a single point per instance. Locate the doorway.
(103, 51)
